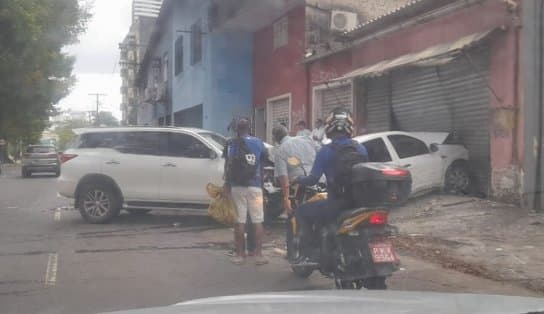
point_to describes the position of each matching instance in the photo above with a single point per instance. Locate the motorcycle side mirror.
(433, 147)
(293, 161)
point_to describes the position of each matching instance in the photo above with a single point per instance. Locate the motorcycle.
(354, 249)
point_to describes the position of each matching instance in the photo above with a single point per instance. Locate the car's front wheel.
(98, 203)
(457, 179)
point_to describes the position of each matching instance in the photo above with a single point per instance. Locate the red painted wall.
(277, 72)
(505, 128)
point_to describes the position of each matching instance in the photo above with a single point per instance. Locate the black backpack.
(346, 156)
(243, 164)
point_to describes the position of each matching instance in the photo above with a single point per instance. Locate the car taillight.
(65, 157)
(378, 218)
(394, 172)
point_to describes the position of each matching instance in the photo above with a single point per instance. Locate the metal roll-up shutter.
(335, 97)
(467, 90)
(449, 98)
(278, 113)
(419, 101)
(377, 109)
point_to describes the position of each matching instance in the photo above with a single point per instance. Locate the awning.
(436, 55)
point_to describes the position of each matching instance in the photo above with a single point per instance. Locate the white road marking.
(57, 215)
(51, 272)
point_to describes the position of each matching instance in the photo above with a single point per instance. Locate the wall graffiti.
(323, 76)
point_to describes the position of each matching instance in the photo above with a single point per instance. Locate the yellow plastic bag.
(221, 208)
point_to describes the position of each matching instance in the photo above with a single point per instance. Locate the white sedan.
(432, 162)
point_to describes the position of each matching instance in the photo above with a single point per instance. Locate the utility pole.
(98, 95)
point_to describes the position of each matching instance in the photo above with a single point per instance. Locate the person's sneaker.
(303, 261)
(283, 216)
(237, 260)
(261, 260)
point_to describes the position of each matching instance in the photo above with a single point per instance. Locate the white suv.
(139, 168)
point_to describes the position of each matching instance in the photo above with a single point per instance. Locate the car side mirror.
(433, 147)
(213, 155)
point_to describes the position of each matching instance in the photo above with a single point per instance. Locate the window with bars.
(281, 32)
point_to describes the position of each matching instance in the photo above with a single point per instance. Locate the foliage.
(65, 131)
(105, 118)
(34, 71)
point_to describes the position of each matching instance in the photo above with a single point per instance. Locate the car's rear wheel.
(457, 179)
(98, 203)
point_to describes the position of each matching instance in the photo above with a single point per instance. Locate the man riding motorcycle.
(329, 161)
(301, 147)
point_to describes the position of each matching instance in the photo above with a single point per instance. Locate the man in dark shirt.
(247, 196)
(339, 129)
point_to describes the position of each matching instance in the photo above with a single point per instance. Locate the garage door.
(376, 104)
(278, 112)
(450, 98)
(334, 97)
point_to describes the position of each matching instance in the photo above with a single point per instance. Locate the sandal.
(261, 260)
(237, 260)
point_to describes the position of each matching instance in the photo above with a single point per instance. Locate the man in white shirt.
(318, 134)
(302, 130)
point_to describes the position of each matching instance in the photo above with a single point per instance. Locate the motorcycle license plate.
(382, 252)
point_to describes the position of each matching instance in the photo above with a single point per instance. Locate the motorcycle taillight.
(378, 218)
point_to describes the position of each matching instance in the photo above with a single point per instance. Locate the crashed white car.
(432, 162)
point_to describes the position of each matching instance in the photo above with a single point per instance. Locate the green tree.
(106, 118)
(34, 71)
(65, 131)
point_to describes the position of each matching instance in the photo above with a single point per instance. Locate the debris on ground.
(480, 237)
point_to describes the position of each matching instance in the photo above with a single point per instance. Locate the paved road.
(53, 262)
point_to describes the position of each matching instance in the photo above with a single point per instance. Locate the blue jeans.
(319, 212)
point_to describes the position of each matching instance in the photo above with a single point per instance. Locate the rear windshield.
(40, 149)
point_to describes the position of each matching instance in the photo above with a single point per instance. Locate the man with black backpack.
(335, 160)
(243, 180)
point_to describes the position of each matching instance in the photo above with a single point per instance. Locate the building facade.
(193, 75)
(132, 50)
(282, 83)
(442, 66)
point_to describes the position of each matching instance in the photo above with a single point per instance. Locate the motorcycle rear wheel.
(374, 283)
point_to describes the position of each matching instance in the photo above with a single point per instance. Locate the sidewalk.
(492, 240)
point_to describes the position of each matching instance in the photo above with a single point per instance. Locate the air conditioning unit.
(342, 21)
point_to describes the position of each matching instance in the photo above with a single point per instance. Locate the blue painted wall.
(222, 80)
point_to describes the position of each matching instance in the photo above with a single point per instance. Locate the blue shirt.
(324, 162)
(256, 147)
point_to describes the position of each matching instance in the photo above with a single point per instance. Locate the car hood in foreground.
(335, 301)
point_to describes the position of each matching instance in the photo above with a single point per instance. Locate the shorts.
(248, 200)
